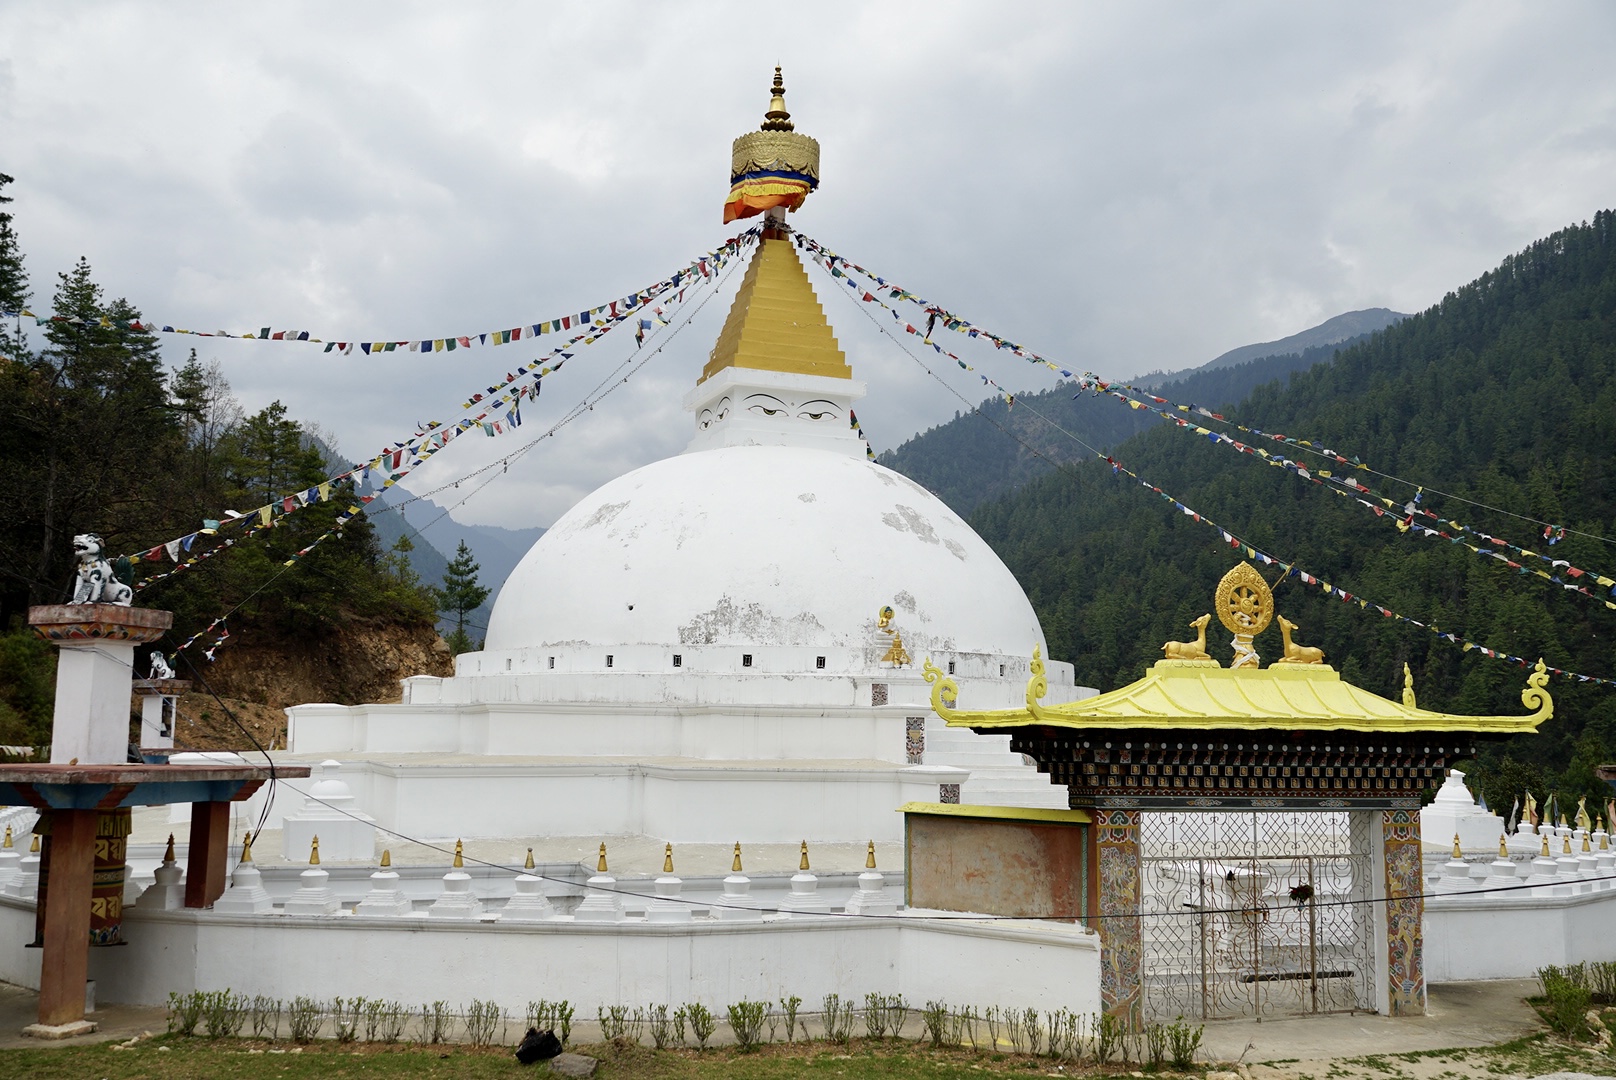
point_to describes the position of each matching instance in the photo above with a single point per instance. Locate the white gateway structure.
(723, 643)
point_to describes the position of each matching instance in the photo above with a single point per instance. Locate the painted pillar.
(1405, 907)
(1116, 835)
(65, 965)
(112, 830)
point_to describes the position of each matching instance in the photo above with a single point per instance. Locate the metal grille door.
(1223, 935)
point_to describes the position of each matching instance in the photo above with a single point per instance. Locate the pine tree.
(13, 285)
(460, 594)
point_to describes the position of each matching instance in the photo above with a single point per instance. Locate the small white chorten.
(804, 898)
(1455, 874)
(385, 897)
(25, 886)
(9, 860)
(331, 812)
(246, 894)
(668, 907)
(167, 893)
(1454, 810)
(737, 904)
(871, 897)
(529, 904)
(314, 895)
(457, 901)
(601, 902)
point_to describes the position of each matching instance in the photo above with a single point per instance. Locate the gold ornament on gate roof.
(1245, 606)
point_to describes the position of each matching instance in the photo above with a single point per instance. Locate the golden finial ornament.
(387, 858)
(7, 842)
(1457, 854)
(777, 119)
(1604, 842)
(1585, 845)
(1565, 847)
(246, 847)
(667, 859)
(1245, 605)
(1544, 854)
(460, 855)
(774, 166)
(1408, 693)
(600, 863)
(168, 852)
(802, 863)
(1503, 846)
(33, 845)
(869, 856)
(530, 864)
(314, 852)
(735, 864)
(1583, 821)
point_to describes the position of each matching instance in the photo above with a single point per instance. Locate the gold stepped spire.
(776, 322)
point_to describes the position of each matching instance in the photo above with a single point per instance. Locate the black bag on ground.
(538, 1045)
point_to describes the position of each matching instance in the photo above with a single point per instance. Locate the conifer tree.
(461, 593)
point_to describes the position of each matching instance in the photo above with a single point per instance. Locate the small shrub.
(702, 1023)
(1065, 1034)
(304, 1017)
(1012, 1028)
(790, 1005)
(483, 1020)
(436, 1020)
(345, 1018)
(266, 1017)
(885, 1014)
(185, 1012)
(1109, 1035)
(1569, 999)
(994, 1018)
(934, 1019)
(838, 1017)
(223, 1013)
(681, 1017)
(1033, 1030)
(1602, 982)
(1182, 1042)
(746, 1021)
(553, 1016)
(661, 1027)
(374, 1010)
(395, 1018)
(962, 1023)
(1156, 1044)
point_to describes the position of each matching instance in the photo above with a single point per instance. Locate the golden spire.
(1585, 845)
(1503, 846)
(776, 322)
(33, 845)
(802, 864)
(8, 837)
(387, 858)
(1545, 852)
(314, 852)
(246, 847)
(600, 864)
(869, 857)
(460, 853)
(529, 865)
(777, 119)
(1457, 854)
(667, 859)
(168, 852)
(735, 865)
(1565, 848)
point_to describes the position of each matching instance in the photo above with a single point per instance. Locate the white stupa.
(726, 641)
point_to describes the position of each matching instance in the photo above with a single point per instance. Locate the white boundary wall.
(962, 962)
(1510, 936)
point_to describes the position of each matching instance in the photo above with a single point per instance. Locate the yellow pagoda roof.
(776, 322)
(1204, 695)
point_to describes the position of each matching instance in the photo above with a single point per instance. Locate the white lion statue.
(97, 582)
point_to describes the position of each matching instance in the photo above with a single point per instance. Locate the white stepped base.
(998, 777)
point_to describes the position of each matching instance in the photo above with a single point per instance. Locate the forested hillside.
(97, 436)
(1504, 393)
(985, 455)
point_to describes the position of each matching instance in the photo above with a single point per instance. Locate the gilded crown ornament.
(773, 167)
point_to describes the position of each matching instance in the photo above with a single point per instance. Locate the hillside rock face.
(360, 664)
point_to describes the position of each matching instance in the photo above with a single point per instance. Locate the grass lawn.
(167, 1056)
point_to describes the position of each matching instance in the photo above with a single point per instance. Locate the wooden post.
(209, 850)
(66, 961)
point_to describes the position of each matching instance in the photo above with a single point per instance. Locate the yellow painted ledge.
(999, 813)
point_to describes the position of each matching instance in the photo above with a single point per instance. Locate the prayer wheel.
(106, 891)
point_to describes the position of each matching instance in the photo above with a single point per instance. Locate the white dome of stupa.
(760, 546)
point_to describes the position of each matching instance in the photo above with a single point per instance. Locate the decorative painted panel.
(948, 793)
(878, 693)
(914, 739)
(1404, 910)
(1117, 833)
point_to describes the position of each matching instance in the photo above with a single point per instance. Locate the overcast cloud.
(1123, 186)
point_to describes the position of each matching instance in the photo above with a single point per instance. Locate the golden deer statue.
(1297, 654)
(1190, 650)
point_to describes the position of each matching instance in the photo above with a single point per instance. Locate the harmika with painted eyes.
(816, 409)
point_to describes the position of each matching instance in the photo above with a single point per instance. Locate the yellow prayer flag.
(264, 513)
(325, 491)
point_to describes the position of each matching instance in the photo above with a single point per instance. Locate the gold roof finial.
(869, 856)
(777, 119)
(1408, 690)
(246, 847)
(387, 858)
(168, 852)
(8, 837)
(33, 845)
(1545, 852)
(600, 863)
(460, 855)
(735, 865)
(314, 852)
(529, 865)
(1503, 846)
(802, 863)
(1585, 845)
(1565, 846)
(1457, 854)
(667, 859)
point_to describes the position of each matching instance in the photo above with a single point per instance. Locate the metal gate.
(1243, 913)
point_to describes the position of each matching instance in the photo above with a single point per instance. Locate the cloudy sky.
(1126, 187)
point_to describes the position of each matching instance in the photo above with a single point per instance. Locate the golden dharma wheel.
(1245, 603)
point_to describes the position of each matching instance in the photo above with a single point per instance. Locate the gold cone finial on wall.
(1545, 852)
(1565, 847)
(667, 859)
(460, 855)
(529, 865)
(600, 863)
(387, 858)
(7, 842)
(1585, 845)
(33, 845)
(869, 856)
(1457, 854)
(168, 852)
(246, 847)
(1503, 846)
(735, 864)
(314, 852)
(802, 863)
